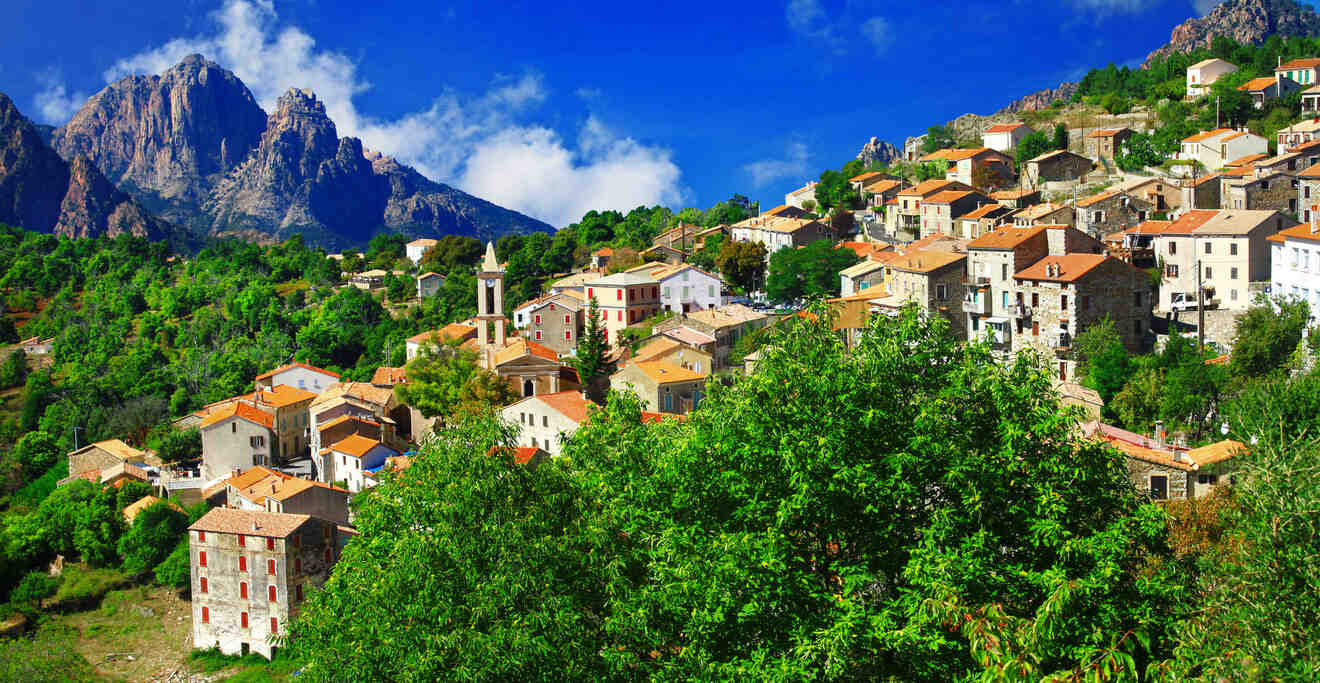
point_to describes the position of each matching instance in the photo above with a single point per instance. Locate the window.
(1207, 247)
(206, 615)
(270, 544)
(1159, 486)
(242, 563)
(941, 292)
(618, 295)
(297, 591)
(297, 565)
(1173, 247)
(201, 559)
(270, 567)
(538, 335)
(1232, 273)
(618, 316)
(1063, 302)
(537, 317)
(203, 586)
(1171, 271)
(233, 427)
(274, 625)
(1232, 295)
(1035, 299)
(1005, 299)
(1003, 271)
(568, 320)
(545, 420)
(1208, 272)
(271, 593)
(1207, 479)
(568, 335)
(297, 541)
(591, 293)
(243, 620)
(242, 589)
(1136, 299)
(1137, 327)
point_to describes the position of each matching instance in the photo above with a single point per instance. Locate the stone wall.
(1140, 472)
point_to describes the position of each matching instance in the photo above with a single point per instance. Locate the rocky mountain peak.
(1246, 21)
(877, 152)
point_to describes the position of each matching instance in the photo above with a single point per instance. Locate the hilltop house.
(300, 375)
(546, 420)
(1269, 88)
(932, 279)
(624, 299)
(553, 320)
(1300, 132)
(1203, 74)
(235, 438)
(267, 490)
(1295, 264)
(1004, 137)
(780, 230)
(1102, 145)
(416, 249)
(1230, 249)
(980, 221)
(1276, 191)
(982, 167)
(1048, 213)
(905, 216)
(1057, 166)
(350, 460)
(96, 459)
(799, 197)
(940, 210)
(684, 288)
(1216, 148)
(662, 385)
(429, 284)
(1299, 71)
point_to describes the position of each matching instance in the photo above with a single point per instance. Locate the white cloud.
(55, 104)
(807, 17)
(483, 144)
(766, 171)
(1116, 6)
(810, 20)
(877, 31)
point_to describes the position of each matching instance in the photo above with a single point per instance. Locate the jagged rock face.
(169, 138)
(878, 153)
(1246, 21)
(39, 191)
(1041, 100)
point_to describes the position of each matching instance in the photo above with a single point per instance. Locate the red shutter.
(204, 584)
(270, 567)
(591, 293)
(270, 591)
(274, 626)
(619, 316)
(242, 563)
(244, 620)
(568, 320)
(201, 558)
(538, 318)
(242, 589)
(298, 591)
(538, 335)
(201, 536)
(568, 335)
(270, 544)
(206, 615)
(618, 294)
(242, 541)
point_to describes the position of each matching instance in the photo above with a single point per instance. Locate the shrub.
(34, 587)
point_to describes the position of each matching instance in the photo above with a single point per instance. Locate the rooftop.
(290, 366)
(1061, 268)
(665, 372)
(241, 410)
(926, 261)
(1005, 127)
(1257, 84)
(355, 445)
(1007, 237)
(249, 523)
(622, 280)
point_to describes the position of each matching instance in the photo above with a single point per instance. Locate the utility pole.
(1200, 309)
(1216, 111)
(75, 438)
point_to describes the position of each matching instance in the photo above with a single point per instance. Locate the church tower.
(490, 301)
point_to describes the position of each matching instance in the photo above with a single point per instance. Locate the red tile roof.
(241, 410)
(1257, 84)
(282, 368)
(1070, 267)
(1004, 127)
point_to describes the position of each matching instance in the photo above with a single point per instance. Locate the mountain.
(1246, 21)
(40, 191)
(1041, 99)
(877, 152)
(194, 145)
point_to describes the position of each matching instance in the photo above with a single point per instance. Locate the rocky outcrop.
(1246, 21)
(877, 152)
(168, 139)
(39, 191)
(1041, 99)
(193, 144)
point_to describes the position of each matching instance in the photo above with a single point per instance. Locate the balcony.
(975, 303)
(978, 281)
(1021, 311)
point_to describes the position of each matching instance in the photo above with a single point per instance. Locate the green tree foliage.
(175, 571)
(938, 138)
(741, 263)
(809, 272)
(592, 348)
(13, 370)
(36, 452)
(821, 533)
(1102, 360)
(436, 378)
(181, 444)
(153, 535)
(8, 332)
(1060, 138)
(484, 392)
(1137, 153)
(1032, 146)
(451, 253)
(1267, 335)
(834, 191)
(35, 587)
(1175, 386)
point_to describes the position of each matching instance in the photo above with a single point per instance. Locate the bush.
(175, 571)
(34, 587)
(155, 531)
(180, 445)
(80, 584)
(48, 657)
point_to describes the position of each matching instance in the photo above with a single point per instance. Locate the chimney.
(1160, 434)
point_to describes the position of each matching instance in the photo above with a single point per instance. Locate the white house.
(235, 438)
(1005, 137)
(301, 375)
(1215, 148)
(416, 249)
(685, 288)
(1203, 74)
(1295, 264)
(1227, 246)
(859, 276)
(1298, 133)
(349, 459)
(799, 196)
(545, 420)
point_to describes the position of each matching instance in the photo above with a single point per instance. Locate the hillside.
(1249, 22)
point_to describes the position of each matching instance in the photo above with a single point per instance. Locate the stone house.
(1160, 471)
(984, 168)
(265, 490)
(661, 253)
(932, 279)
(366, 402)
(235, 438)
(778, 231)
(1201, 193)
(337, 429)
(679, 238)
(980, 221)
(1057, 166)
(300, 375)
(1101, 145)
(940, 210)
(624, 299)
(799, 197)
(528, 367)
(545, 421)
(416, 249)
(251, 572)
(103, 455)
(726, 324)
(1288, 163)
(1004, 137)
(1048, 213)
(905, 216)
(600, 258)
(663, 386)
(1270, 192)
(1020, 198)
(1127, 204)
(453, 333)
(429, 284)
(369, 280)
(879, 193)
(859, 182)
(349, 459)
(1300, 132)
(1058, 297)
(1230, 249)
(661, 347)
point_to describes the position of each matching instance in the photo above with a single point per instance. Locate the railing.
(1021, 311)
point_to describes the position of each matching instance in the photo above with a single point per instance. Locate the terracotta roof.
(864, 249)
(345, 418)
(657, 347)
(864, 176)
(928, 241)
(926, 261)
(984, 211)
(423, 242)
(726, 316)
(882, 186)
(290, 366)
(1052, 154)
(1207, 134)
(1148, 228)
(1257, 84)
(651, 418)
(1040, 210)
(1015, 194)
(1212, 176)
(428, 275)
(125, 468)
(117, 448)
(520, 347)
(1107, 132)
(1071, 267)
(132, 510)
(1007, 237)
(355, 445)
(862, 268)
(380, 396)
(1222, 222)
(284, 395)
(1005, 127)
(1233, 136)
(249, 523)
(450, 332)
(1303, 63)
(570, 404)
(1218, 360)
(665, 372)
(521, 454)
(928, 187)
(1158, 457)
(947, 196)
(1216, 452)
(1097, 198)
(603, 251)
(241, 410)
(1311, 172)
(1248, 159)
(1301, 231)
(1206, 62)
(689, 336)
(389, 376)
(961, 154)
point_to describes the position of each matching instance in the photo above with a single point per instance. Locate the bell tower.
(490, 300)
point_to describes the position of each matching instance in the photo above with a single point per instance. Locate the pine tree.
(590, 361)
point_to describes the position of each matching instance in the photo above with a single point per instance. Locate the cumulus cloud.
(482, 143)
(766, 171)
(55, 104)
(810, 20)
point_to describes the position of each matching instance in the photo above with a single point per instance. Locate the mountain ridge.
(1246, 21)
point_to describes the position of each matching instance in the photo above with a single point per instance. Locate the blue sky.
(554, 108)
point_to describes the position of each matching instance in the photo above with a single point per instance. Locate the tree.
(8, 332)
(590, 357)
(1137, 153)
(1102, 360)
(1267, 335)
(484, 392)
(175, 571)
(180, 444)
(154, 534)
(821, 533)
(1033, 145)
(436, 378)
(35, 452)
(938, 138)
(1060, 138)
(812, 271)
(842, 223)
(741, 263)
